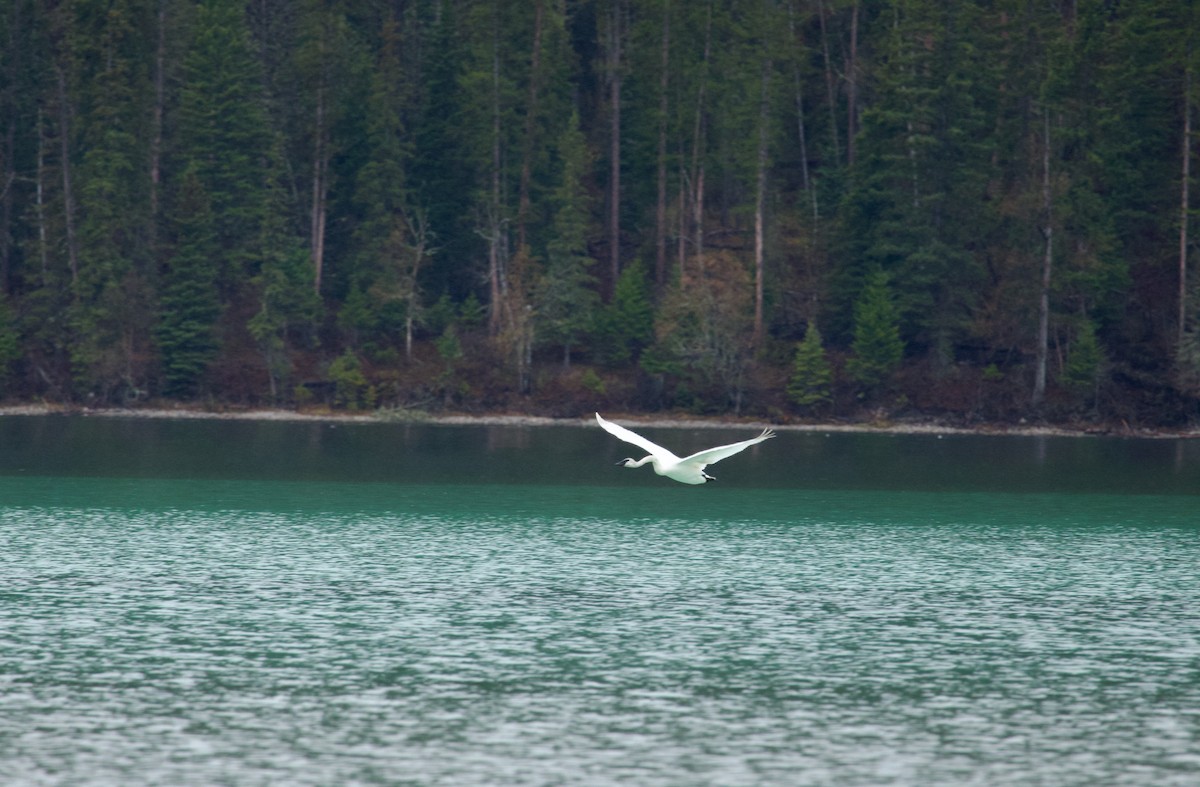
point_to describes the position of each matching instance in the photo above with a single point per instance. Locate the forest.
(978, 210)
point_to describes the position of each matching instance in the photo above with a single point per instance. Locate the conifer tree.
(10, 342)
(223, 133)
(489, 123)
(1085, 361)
(385, 271)
(111, 306)
(288, 304)
(916, 198)
(223, 138)
(326, 66)
(811, 379)
(1010, 165)
(877, 348)
(443, 176)
(566, 299)
(24, 70)
(625, 326)
(189, 302)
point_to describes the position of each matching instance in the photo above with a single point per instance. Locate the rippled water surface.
(296, 604)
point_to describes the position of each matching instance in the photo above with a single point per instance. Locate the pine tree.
(917, 195)
(812, 379)
(327, 67)
(443, 170)
(877, 348)
(288, 305)
(488, 119)
(385, 281)
(1010, 165)
(566, 299)
(111, 310)
(189, 301)
(24, 70)
(625, 326)
(10, 342)
(350, 383)
(222, 133)
(1085, 361)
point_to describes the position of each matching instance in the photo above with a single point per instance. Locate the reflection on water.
(330, 619)
(585, 456)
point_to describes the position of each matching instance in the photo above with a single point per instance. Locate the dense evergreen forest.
(793, 208)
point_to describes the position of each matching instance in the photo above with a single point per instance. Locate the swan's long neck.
(639, 462)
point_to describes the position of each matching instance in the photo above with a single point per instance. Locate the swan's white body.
(689, 469)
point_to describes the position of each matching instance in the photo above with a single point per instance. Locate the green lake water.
(242, 603)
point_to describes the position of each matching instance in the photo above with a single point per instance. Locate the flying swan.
(689, 469)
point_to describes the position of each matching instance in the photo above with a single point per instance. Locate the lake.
(235, 602)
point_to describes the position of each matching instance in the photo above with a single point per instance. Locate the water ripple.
(198, 647)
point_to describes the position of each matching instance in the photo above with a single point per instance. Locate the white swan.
(689, 469)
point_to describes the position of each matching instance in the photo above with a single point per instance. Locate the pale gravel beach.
(651, 421)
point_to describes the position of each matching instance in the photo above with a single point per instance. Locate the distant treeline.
(786, 206)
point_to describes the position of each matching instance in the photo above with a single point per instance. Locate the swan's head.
(627, 462)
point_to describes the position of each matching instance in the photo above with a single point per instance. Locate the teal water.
(215, 603)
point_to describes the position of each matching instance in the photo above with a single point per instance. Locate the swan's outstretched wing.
(622, 433)
(713, 455)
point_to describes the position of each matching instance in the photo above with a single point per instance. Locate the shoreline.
(899, 427)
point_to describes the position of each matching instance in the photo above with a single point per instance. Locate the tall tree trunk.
(681, 219)
(852, 87)
(660, 208)
(802, 137)
(319, 190)
(40, 197)
(1043, 335)
(64, 138)
(7, 153)
(523, 199)
(801, 132)
(1184, 202)
(495, 225)
(156, 132)
(829, 83)
(760, 201)
(698, 134)
(698, 218)
(614, 99)
(418, 229)
(8, 176)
